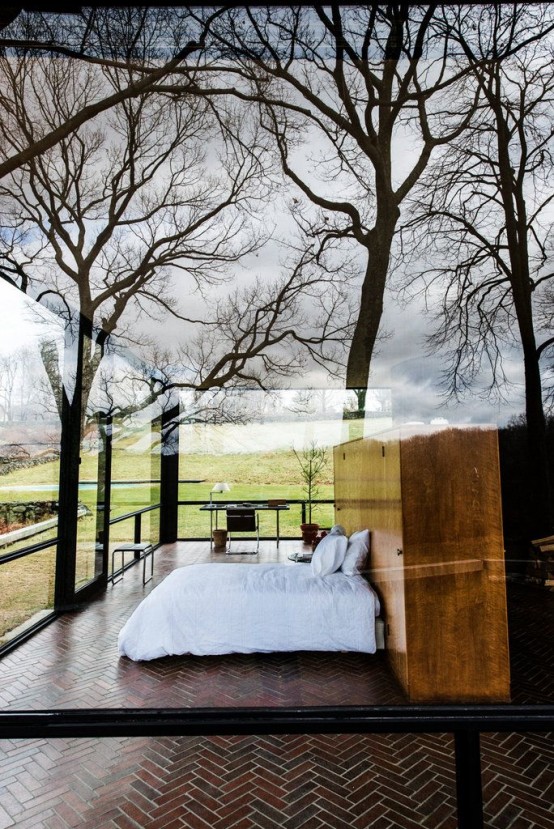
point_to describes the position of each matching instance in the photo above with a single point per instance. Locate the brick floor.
(381, 781)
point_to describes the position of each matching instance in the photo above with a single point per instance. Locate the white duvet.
(207, 609)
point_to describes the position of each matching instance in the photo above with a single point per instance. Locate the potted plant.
(312, 461)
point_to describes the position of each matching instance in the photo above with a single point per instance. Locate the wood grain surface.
(431, 499)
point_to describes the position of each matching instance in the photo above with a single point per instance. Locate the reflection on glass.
(29, 420)
(30, 365)
(135, 459)
(27, 590)
(90, 512)
(90, 517)
(135, 466)
(250, 443)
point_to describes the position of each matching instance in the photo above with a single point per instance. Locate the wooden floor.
(386, 781)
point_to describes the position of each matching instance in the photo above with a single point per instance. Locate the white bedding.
(207, 609)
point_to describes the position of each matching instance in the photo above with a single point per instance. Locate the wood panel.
(431, 499)
(452, 513)
(451, 495)
(367, 496)
(351, 471)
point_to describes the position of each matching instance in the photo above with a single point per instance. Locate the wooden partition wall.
(431, 498)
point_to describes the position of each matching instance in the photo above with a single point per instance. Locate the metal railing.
(137, 515)
(465, 722)
(28, 550)
(137, 535)
(23, 552)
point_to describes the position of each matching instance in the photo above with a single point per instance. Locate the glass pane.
(27, 590)
(136, 471)
(90, 516)
(31, 365)
(136, 461)
(256, 456)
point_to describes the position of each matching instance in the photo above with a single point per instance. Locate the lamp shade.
(221, 486)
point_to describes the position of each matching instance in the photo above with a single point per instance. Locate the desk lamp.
(220, 486)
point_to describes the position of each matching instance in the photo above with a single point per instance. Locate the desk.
(221, 506)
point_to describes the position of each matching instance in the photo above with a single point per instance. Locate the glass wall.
(118, 422)
(256, 445)
(31, 365)
(135, 456)
(92, 471)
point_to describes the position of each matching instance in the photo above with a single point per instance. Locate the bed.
(219, 608)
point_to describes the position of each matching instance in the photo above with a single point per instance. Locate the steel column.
(469, 792)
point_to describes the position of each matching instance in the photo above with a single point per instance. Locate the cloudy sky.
(404, 365)
(401, 362)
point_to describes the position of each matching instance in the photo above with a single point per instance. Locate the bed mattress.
(205, 609)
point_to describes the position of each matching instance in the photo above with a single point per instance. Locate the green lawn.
(251, 476)
(27, 586)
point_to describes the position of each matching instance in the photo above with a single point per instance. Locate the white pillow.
(356, 553)
(329, 554)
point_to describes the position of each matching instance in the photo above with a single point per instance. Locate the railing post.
(70, 450)
(469, 792)
(138, 530)
(169, 474)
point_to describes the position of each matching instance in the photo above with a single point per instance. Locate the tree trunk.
(515, 212)
(379, 241)
(361, 395)
(50, 361)
(537, 447)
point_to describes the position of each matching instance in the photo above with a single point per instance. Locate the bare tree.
(266, 332)
(353, 81)
(107, 218)
(9, 369)
(484, 213)
(111, 231)
(99, 37)
(256, 337)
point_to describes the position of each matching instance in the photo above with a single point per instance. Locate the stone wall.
(11, 464)
(26, 512)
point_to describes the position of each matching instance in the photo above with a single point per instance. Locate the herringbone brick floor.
(382, 781)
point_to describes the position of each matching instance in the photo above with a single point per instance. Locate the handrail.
(464, 722)
(261, 501)
(134, 513)
(326, 719)
(26, 551)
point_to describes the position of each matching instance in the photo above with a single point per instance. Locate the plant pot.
(309, 532)
(220, 539)
(319, 537)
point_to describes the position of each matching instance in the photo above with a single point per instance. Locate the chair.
(240, 521)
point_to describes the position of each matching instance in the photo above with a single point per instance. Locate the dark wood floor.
(384, 781)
